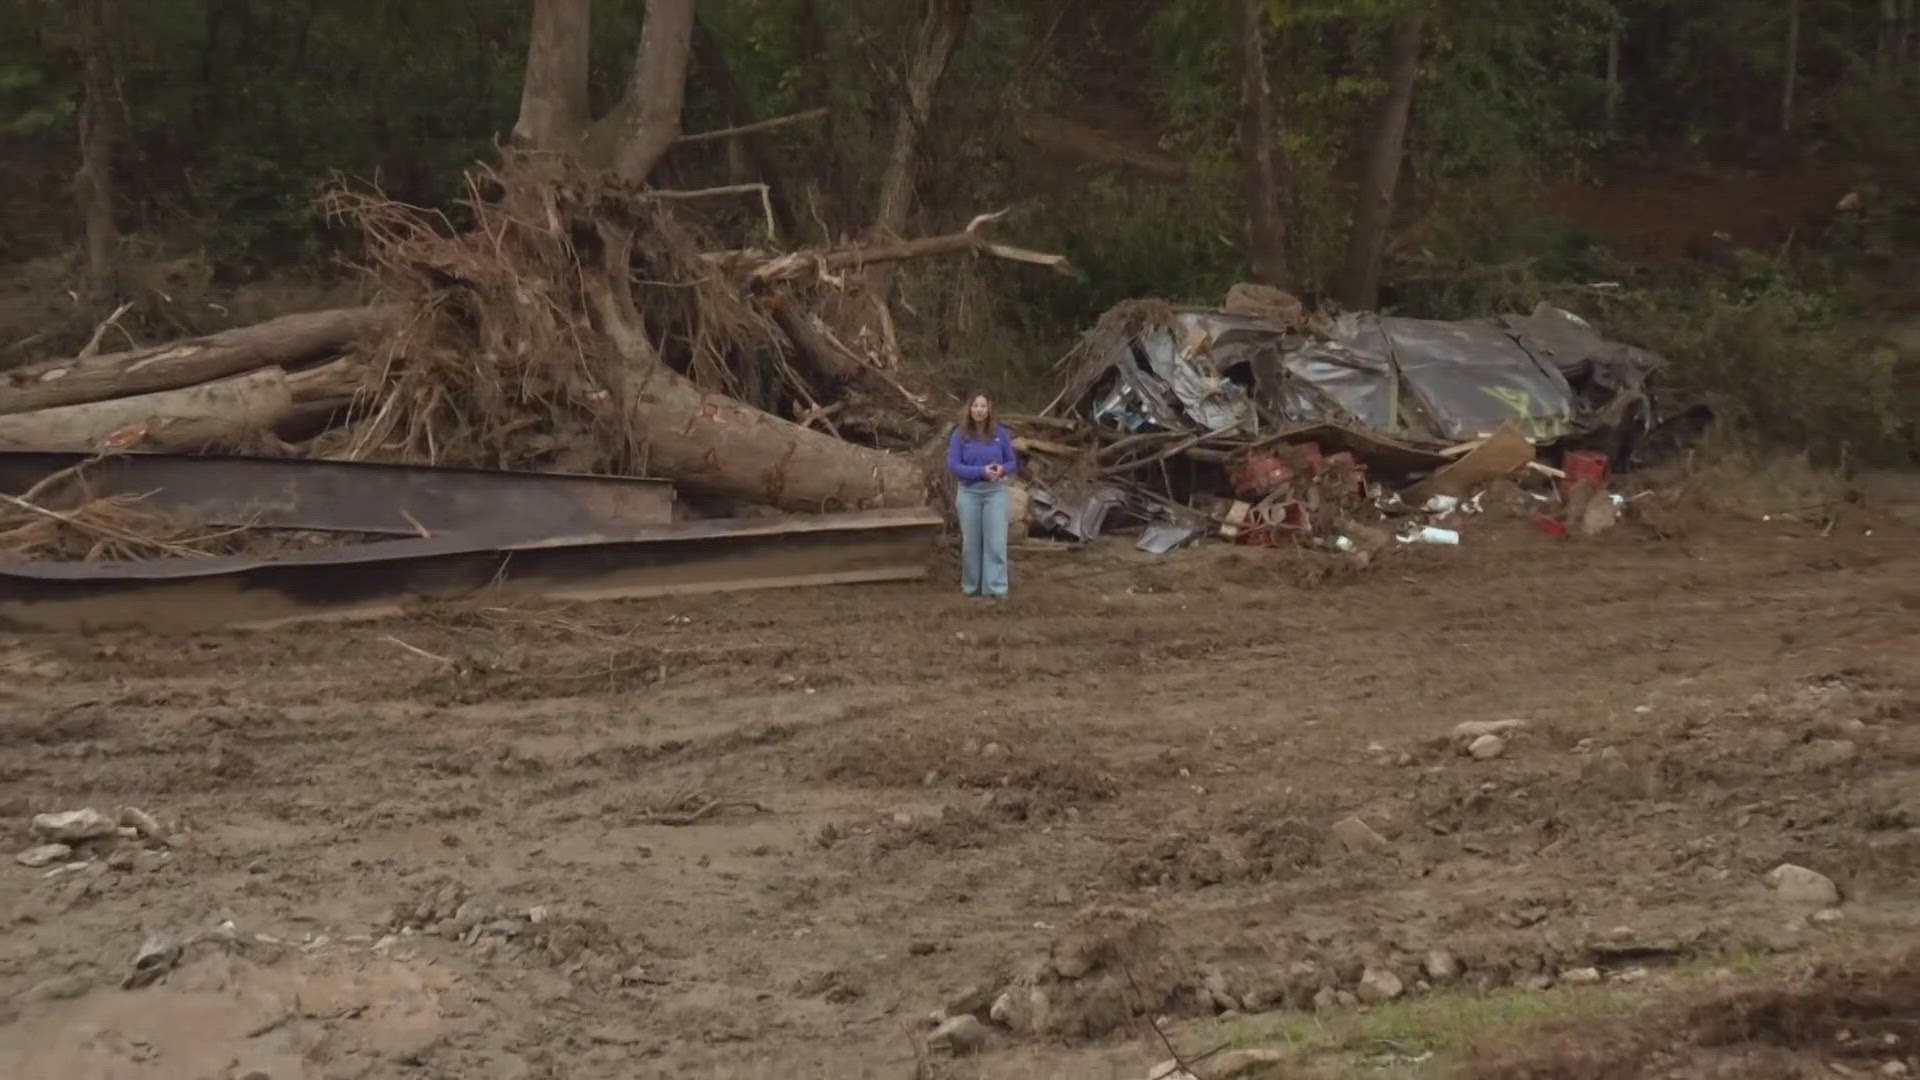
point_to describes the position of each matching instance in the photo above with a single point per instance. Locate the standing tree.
(1262, 169)
(93, 183)
(1373, 213)
(553, 94)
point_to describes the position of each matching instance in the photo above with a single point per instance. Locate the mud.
(768, 834)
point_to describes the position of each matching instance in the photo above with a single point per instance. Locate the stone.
(1536, 983)
(58, 988)
(1441, 966)
(1357, 836)
(1378, 985)
(1219, 989)
(143, 824)
(1585, 976)
(961, 1034)
(1826, 917)
(121, 859)
(1894, 1068)
(1474, 729)
(1799, 885)
(1325, 999)
(993, 750)
(1347, 999)
(44, 855)
(1237, 1062)
(74, 825)
(1631, 975)
(1487, 747)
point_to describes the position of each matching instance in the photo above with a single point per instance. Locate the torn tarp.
(1153, 367)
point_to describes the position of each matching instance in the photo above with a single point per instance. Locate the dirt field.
(765, 835)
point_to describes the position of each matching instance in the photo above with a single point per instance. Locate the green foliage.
(28, 105)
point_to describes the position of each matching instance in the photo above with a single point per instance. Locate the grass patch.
(1423, 1036)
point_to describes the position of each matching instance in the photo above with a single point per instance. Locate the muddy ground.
(766, 834)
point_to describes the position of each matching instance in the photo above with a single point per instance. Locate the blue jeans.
(983, 538)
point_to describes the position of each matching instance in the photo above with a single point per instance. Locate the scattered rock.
(58, 988)
(1346, 998)
(1826, 917)
(1894, 1068)
(1487, 747)
(120, 859)
(143, 824)
(1217, 1067)
(993, 750)
(1325, 999)
(1441, 966)
(1357, 836)
(902, 819)
(1474, 729)
(74, 826)
(1379, 985)
(1631, 975)
(1235, 1062)
(44, 855)
(1585, 976)
(962, 1035)
(156, 957)
(1537, 983)
(1799, 885)
(1219, 993)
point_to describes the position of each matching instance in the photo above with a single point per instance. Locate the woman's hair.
(983, 430)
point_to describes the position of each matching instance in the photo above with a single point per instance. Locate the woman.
(980, 457)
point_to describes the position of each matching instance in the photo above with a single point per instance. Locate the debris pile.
(1265, 426)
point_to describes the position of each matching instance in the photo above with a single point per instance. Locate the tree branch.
(756, 127)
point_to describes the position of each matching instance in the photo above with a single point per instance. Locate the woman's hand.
(995, 472)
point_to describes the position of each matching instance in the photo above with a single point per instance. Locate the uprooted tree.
(578, 318)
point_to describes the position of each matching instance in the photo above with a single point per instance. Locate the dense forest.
(1735, 183)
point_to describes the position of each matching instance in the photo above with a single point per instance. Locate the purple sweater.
(968, 458)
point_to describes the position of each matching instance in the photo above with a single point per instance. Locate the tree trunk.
(1261, 179)
(1360, 282)
(1613, 78)
(93, 185)
(719, 446)
(553, 94)
(636, 135)
(832, 197)
(1793, 66)
(1887, 55)
(713, 64)
(178, 420)
(940, 33)
(287, 341)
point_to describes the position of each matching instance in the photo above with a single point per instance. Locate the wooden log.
(283, 342)
(187, 419)
(716, 445)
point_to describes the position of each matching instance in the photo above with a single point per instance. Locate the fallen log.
(283, 342)
(719, 446)
(187, 419)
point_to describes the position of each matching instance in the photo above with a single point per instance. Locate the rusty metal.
(387, 577)
(361, 497)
